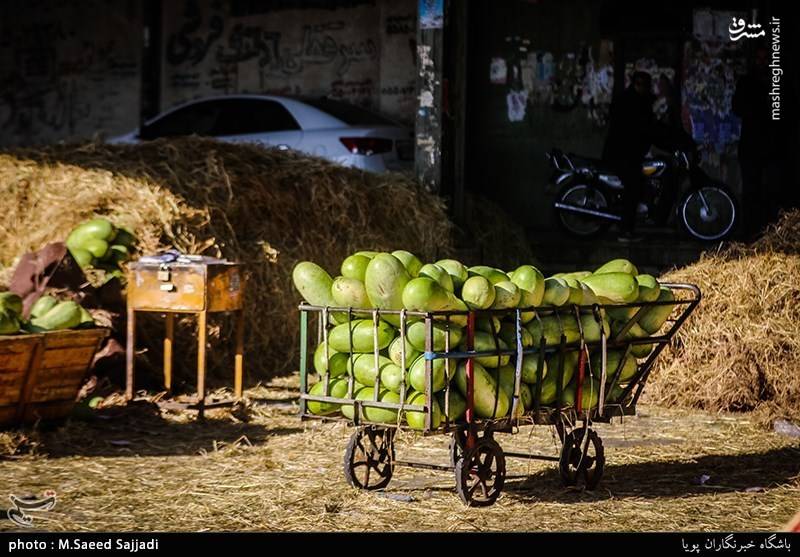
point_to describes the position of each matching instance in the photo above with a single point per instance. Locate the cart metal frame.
(476, 458)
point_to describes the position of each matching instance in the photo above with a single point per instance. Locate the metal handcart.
(476, 458)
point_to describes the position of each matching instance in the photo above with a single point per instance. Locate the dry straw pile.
(265, 208)
(260, 469)
(740, 351)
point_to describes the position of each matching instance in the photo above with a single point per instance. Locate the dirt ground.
(260, 468)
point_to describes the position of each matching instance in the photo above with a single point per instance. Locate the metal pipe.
(303, 359)
(423, 465)
(518, 370)
(579, 387)
(429, 373)
(447, 376)
(585, 211)
(539, 415)
(326, 377)
(350, 376)
(403, 354)
(470, 373)
(376, 355)
(365, 403)
(530, 456)
(561, 357)
(581, 361)
(501, 312)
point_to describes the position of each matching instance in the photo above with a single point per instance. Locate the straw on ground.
(260, 468)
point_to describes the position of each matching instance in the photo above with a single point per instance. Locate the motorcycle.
(589, 196)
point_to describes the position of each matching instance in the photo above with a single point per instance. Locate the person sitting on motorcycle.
(631, 132)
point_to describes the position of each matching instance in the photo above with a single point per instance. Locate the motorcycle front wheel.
(577, 224)
(708, 213)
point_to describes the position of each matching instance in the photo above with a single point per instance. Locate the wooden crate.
(40, 374)
(16, 356)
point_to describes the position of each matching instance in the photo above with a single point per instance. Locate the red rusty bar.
(579, 390)
(471, 436)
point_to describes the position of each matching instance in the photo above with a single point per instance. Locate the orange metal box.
(185, 287)
(186, 284)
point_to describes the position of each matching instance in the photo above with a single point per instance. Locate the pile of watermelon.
(99, 244)
(47, 314)
(399, 280)
(94, 244)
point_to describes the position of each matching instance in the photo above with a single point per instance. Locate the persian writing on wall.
(360, 52)
(68, 70)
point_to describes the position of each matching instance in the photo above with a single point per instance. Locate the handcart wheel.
(457, 443)
(582, 458)
(480, 474)
(369, 458)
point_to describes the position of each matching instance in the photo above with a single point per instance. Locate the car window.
(348, 113)
(197, 118)
(247, 116)
(221, 117)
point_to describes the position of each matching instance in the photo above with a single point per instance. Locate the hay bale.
(782, 236)
(18, 444)
(266, 208)
(740, 351)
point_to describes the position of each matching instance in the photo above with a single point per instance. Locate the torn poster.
(498, 72)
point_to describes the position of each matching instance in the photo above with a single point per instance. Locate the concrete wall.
(543, 74)
(73, 69)
(68, 69)
(530, 82)
(361, 51)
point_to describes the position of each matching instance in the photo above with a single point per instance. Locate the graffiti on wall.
(331, 52)
(598, 88)
(240, 8)
(574, 80)
(401, 24)
(398, 62)
(712, 66)
(60, 78)
(321, 44)
(584, 80)
(193, 40)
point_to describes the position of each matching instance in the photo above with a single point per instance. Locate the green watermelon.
(618, 266)
(385, 279)
(490, 400)
(355, 267)
(337, 388)
(456, 270)
(415, 419)
(313, 283)
(439, 274)
(362, 332)
(410, 261)
(478, 292)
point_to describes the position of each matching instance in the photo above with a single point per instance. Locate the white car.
(323, 127)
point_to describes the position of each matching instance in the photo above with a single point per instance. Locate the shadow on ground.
(140, 429)
(754, 472)
(742, 472)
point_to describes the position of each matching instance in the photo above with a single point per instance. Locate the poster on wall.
(431, 14)
(712, 65)
(498, 72)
